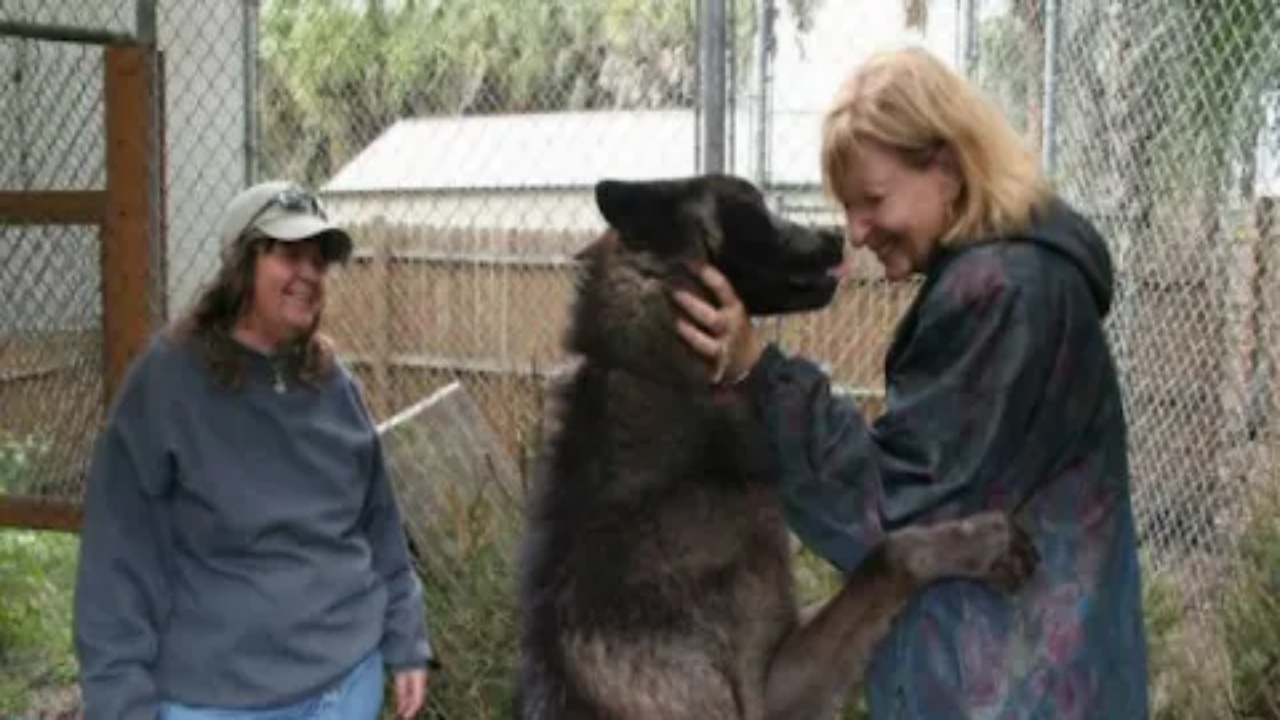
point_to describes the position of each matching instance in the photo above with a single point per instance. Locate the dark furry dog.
(657, 578)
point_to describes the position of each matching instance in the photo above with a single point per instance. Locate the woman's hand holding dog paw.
(723, 335)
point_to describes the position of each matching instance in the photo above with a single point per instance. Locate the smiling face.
(898, 209)
(288, 293)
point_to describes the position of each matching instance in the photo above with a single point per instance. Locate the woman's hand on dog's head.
(723, 335)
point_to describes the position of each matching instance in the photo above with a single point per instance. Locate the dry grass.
(1222, 662)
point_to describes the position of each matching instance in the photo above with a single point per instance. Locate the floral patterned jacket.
(1001, 393)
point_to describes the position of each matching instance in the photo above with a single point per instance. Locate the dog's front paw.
(1012, 568)
(987, 547)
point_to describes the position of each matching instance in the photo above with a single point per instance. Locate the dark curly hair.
(207, 327)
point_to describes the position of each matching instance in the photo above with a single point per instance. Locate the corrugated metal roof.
(570, 149)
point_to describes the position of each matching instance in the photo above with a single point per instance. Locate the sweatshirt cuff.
(421, 656)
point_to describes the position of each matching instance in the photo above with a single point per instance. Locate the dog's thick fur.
(657, 580)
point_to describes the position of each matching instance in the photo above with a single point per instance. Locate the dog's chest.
(730, 543)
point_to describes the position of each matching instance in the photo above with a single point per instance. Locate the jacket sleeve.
(405, 643)
(121, 596)
(959, 392)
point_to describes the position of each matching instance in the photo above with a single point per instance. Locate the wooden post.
(126, 242)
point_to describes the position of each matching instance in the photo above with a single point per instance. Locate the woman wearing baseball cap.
(242, 554)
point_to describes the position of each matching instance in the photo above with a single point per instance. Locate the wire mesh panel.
(209, 111)
(1149, 117)
(52, 101)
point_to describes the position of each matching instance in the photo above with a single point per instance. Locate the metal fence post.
(967, 30)
(145, 15)
(249, 36)
(1047, 149)
(712, 49)
(762, 49)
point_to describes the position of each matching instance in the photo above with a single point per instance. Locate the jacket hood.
(1060, 228)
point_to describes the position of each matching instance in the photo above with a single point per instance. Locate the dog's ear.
(634, 207)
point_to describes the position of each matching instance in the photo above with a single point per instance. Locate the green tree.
(336, 73)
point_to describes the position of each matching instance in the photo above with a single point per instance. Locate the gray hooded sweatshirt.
(239, 548)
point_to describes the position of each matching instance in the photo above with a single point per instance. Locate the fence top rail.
(66, 33)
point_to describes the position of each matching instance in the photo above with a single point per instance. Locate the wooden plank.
(127, 227)
(52, 207)
(33, 514)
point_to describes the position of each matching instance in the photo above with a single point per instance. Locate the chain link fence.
(1158, 119)
(1154, 117)
(54, 126)
(50, 356)
(460, 141)
(51, 137)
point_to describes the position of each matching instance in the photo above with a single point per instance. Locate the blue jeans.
(357, 697)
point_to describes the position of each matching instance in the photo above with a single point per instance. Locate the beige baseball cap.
(285, 211)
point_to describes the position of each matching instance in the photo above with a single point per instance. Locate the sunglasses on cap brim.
(295, 200)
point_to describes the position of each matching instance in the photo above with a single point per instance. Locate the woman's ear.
(946, 164)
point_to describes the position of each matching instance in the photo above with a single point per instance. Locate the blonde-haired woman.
(1001, 393)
